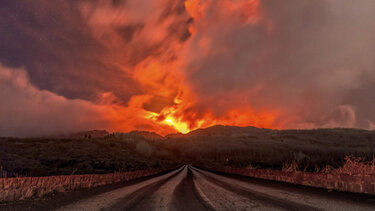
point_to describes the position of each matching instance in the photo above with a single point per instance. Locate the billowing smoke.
(167, 65)
(307, 59)
(28, 111)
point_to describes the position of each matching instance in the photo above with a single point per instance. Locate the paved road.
(189, 188)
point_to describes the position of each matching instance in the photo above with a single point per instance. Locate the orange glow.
(249, 10)
(194, 8)
(168, 104)
(181, 114)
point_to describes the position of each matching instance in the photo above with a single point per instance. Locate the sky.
(174, 66)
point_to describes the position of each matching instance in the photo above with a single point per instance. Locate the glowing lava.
(170, 104)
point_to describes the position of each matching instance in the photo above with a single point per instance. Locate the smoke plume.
(170, 65)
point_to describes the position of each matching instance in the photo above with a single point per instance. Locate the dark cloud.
(53, 42)
(85, 50)
(63, 53)
(28, 111)
(127, 32)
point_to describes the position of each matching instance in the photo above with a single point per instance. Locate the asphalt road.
(189, 188)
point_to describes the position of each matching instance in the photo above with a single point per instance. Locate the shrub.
(3, 173)
(20, 188)
(356, 166)
(290, 167)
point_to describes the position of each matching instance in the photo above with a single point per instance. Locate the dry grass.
(349, 181)
(356, 166)
(3, 173)
(290, 167)
(20, 188)
(352, 166)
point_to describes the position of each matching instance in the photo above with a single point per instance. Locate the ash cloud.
(81, 48)
(311, 60)
(83, 54)
(27, 111)
(55, 45)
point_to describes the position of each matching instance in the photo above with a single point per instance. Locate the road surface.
(189, 188)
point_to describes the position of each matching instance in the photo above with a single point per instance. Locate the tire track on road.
(108, 199)
(223, 199)
(187, 198)
(255, 195)
(139, 196)
(313, 197)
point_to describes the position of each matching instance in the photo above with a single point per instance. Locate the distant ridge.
(227, 130)
(221, 130)
(224, 130)
(217, 130)
(89, 134)
(146, 134)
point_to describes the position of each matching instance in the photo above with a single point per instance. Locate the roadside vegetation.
(19, 188)
(302, 150)
(72, 156)
(320, 150)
